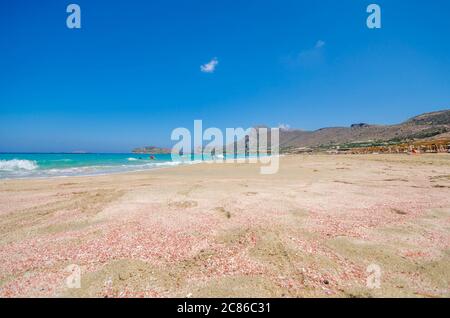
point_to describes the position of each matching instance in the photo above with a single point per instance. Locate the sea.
(42, 165)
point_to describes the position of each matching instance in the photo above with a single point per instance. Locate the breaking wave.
(16, 164)
(21, 168)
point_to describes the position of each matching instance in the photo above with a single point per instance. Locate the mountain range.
(434, 125)
(428, 126)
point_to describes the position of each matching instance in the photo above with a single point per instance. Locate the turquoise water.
(21, 165)
(35, 165)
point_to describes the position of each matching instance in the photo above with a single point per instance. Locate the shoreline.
(162, 165)
(88, 175)
(195, 162)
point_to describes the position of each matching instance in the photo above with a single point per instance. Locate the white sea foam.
(168, 163)
(17, 164)
(29, 169)
(132, 159)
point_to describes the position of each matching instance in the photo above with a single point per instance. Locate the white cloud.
(209, 67)
(320, 44)
(284, 127)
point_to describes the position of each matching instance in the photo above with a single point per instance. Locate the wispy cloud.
(210, 67)
(320, 44)
(307, 57)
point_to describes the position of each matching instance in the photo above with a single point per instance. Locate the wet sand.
(311, 230)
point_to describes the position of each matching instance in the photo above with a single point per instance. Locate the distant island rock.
(151, 150)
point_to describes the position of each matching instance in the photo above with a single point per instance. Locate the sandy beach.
(210, 230)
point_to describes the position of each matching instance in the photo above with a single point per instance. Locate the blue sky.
(132, 73)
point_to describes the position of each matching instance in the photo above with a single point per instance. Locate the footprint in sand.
(222, 210)
(398, 211)
(183, 204)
